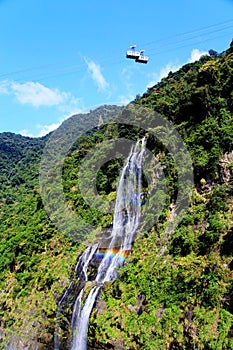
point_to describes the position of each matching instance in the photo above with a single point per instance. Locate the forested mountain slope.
(179, 297)
(36, 260)
(15, 149)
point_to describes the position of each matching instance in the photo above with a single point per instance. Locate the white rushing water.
(80, 270)
(125, 223)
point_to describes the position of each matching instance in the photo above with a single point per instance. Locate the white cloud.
(155, 77)
(37, 94)
(25, 132)
(4, 87)
(45, 129)
(96, 74)
(196, 55)
(42, 130)
(172, 67)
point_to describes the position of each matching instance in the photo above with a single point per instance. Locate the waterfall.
(125, 224)
(80, 271)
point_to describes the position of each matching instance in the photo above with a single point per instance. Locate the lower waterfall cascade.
(126, 221)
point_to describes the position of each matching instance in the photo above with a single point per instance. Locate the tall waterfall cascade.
(126, 221)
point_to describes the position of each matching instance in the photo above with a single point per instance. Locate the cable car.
(132, 53)
(138, 56)
(142, 58)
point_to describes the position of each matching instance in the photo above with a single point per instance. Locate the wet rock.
(101, 307)
(160, 312)
(225, 173)
(141, 304)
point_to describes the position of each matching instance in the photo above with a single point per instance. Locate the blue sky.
(60, 57)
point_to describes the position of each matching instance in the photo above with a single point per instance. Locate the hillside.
(15, 149)
(36, 259)
(181, 298)
(171, 294)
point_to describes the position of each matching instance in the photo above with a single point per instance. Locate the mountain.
(36, 259)
(15, 149)
(175, 290)
(177, 294)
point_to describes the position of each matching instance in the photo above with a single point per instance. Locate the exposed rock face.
(15, 342)
(225, 173)
(141, 304)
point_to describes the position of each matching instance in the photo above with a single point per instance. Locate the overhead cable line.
(187, 33)
(191, 38)
(63, 70)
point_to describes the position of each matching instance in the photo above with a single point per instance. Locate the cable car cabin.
(132, 53)
(142, 58)
(138, 56)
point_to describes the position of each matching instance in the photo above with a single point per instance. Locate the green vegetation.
(171, 294)
(187, 290)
